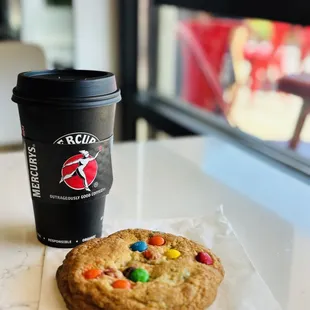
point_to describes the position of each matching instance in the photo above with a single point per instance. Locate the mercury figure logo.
(80, 171)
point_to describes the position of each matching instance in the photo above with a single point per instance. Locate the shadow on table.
(18, 234)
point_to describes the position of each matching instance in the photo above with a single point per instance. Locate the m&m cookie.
(140, 269)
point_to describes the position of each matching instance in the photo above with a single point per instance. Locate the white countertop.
(269, 210)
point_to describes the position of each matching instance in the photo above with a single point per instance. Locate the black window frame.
(171, 115)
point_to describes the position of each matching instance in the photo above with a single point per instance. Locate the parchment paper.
(242, 288)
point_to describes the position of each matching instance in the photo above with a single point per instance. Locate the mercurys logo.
(80, 171)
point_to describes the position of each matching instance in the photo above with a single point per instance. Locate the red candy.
(204, 258)
(112, 272)
(148, 254)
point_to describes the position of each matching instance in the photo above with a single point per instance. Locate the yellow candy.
(172, 253)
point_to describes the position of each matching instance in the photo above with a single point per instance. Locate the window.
(206, 73)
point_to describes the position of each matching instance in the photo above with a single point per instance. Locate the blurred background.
(185, 68)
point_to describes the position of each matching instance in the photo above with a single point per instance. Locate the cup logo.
(77, 138)
(80, 171)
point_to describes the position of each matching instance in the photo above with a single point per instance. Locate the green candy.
(139, 275)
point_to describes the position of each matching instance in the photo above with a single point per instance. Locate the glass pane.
(231, 68)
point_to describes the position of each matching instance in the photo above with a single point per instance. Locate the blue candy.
(139, 246)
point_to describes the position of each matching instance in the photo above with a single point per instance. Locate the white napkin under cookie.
(242, 288)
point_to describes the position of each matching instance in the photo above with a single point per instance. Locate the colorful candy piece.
(172, 253)
(204, 258)
(157, 240)
(139, 275)
(122, 284)
(149, 254)
(139, 246)
(112, 272)
(92, 274)
(127, 272)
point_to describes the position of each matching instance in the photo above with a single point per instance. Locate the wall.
(51, 27)
(95, 34)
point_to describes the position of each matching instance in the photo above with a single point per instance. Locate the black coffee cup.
(67, 120)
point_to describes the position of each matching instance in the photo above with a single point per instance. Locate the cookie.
(141, 270)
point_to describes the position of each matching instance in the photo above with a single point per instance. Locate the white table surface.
(268, 208)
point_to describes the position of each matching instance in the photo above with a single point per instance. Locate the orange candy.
(92, 274)
(123, 284)
(156, 240)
